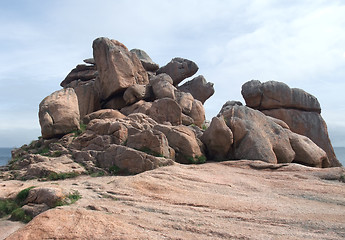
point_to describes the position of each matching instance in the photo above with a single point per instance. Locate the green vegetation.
(150, 152)
(22, 195)
(97, 174)
(7, 207)
(114, 170)
(61, 176)
(82, 128)
(196, 159)
(342, 178)
(19, 215)
(13, 207)
(70, 199)
(43, 151)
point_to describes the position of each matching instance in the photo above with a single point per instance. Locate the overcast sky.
(299, 42)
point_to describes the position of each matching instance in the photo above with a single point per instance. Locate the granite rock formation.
(297, 108)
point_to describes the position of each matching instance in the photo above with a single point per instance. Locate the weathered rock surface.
(88, 97)
(59, 113)
(162, 86)
(80, 72)
(45, 195)
(272, 94)
(297, 108)
(258, 137)
(218, 139)
(117, 67)
(183, 141)
(103, 114)
(228, 200)
(151, 141)
(137, 92)
(166, 110)
(185, 100)
(138, 107)
(197, 113)
(145, 60)
(179, 69)
(199, 88)
(309, 124)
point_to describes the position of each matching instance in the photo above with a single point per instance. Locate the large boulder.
(117, 67)
(197, 113)
(145, 60)
(138, 107)
(126, 160)
(88, 98)
(59, 113)
(183, 141)
(150, 141)
(47, 195)
(257, 137)
(162, 86)
(179, 69)
(199, 88)
(185, 100)
(272, 94)
(309, 124)
(297, 108)
(166, 110)
(80, 72)
(218, 139)
(137, 92)
(103, 114)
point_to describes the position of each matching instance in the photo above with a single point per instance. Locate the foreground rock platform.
(227, 200)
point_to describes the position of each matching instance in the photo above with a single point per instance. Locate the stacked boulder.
(297, 108)
(121, 113)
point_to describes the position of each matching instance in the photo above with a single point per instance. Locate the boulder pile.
(120, 113)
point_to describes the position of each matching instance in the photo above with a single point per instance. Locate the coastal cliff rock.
(297, 108)
(59, 113)
(256, 136)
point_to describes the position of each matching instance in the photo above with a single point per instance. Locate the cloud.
(297, 42)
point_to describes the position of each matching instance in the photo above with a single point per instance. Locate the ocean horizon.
(5, 155)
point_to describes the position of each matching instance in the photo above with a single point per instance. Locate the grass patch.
(114, 170)
(342, 178)
(61, 176)
(43, 151)
(22, 195)
(82, 128)
(70, 199)
(97, 174)
(13, 207)
(19, 215)
(7, 207)
(196, 160)
(150, 152)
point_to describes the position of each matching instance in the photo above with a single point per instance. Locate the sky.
(298, 42)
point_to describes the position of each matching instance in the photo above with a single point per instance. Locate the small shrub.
(53, 176)
(82, 128)
(19, 215)
(97, 174)
(342, 178)
(22, 195)
(114, 170)
(70, 199)
(7, 206)
(196, 159)
(56, 154)
(43, 151)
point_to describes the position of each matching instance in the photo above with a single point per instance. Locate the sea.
(5, 155)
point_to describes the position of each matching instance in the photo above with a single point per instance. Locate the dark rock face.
(179, 69)
(297, 108)
(81, 72)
